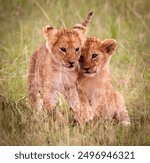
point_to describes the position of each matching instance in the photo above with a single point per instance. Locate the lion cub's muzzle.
(88, 71)
(71, 65)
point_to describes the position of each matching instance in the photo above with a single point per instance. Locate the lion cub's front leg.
(83, 113)
(73, 97)
(46, 94)
(50, 101)
(49, 96)
(79, 104)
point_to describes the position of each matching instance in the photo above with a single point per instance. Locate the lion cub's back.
(36, 63)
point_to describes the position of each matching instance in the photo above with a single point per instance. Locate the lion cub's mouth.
(89, 74)
(69, 68)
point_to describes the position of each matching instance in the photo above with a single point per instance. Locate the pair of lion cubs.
(54, 71)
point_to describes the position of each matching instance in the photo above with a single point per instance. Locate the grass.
(21, 22)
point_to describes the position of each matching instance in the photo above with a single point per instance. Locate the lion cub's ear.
(49, 33)
(82, 28)
(108, 46)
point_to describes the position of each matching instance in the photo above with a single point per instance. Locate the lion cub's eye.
(77, 49)
(63, 49)
(94, 56)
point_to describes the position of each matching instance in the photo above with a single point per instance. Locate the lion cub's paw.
(83, 115)
(126, 123)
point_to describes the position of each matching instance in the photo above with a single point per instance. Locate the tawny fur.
(95, 81)
(53, 68)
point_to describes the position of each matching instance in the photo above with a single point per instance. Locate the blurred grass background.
(126, 21)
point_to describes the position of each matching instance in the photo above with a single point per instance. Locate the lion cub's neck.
(104, 76)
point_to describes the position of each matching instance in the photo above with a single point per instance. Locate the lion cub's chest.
(62, 80)
(93, 89)
(89, 88)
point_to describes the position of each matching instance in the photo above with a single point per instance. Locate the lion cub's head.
(65, 44)
(96, 55)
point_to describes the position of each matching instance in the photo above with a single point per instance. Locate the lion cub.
(53, 68)
(94, 80)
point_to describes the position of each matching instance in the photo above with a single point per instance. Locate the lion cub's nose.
(71, 63)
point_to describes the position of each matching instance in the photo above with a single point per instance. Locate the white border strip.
(78, 153)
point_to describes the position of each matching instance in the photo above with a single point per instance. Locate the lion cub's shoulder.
(40, 52)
